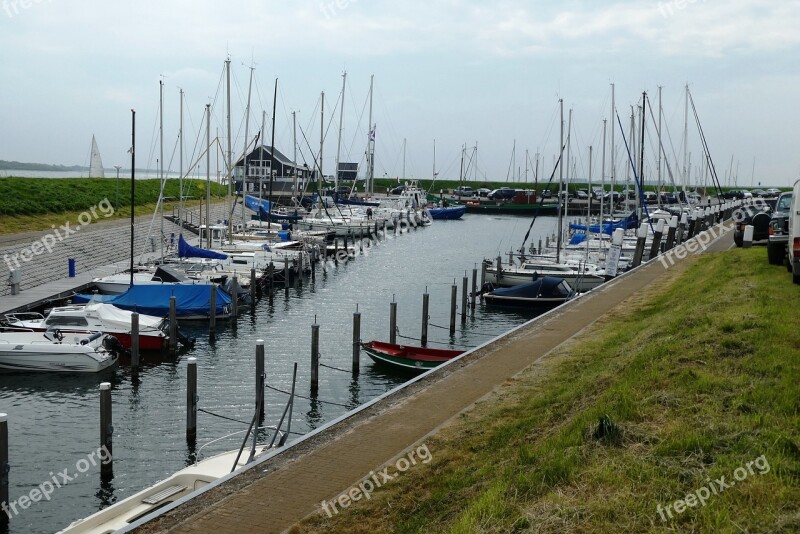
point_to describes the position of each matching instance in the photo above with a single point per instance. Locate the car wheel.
(775, 253)
(789, 265)
(796, 278)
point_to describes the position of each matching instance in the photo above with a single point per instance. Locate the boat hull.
(407, 359)
(580, 283)
(32, 351)
(447, 214)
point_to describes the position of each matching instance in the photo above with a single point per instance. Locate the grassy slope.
(697, 379)
(29, 204)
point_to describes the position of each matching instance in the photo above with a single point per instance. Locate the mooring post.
(260, 377)
(656, 245)
(682, 228)
(693, 224)
(106, 428)
(234, 299)
(212, 319)
(473, 295)
(393, 322)
(314, 270)
(356, 341)
(135, 341)
(464, 300)
(483, 272)
(253, 287)
(191, 400)
(314, 358)
(673, 227)
(453, 297)
(4, 467)
(425, 302)
(499, 267)
(335, 250)
(641, 237)
(384, 228)
(173, 324)
(286, 275)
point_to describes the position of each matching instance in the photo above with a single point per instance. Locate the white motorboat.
(23, 350)
(582, 278)
(179, 485)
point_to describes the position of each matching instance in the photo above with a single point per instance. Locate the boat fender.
(87, 340)
(112, 344)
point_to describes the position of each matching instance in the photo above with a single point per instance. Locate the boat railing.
(232, 434)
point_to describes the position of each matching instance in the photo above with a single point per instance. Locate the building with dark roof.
(289, 177)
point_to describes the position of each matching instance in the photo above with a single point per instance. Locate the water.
(54, 419)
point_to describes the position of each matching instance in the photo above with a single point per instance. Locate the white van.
(794, 234)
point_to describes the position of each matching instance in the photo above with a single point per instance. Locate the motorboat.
(582, 278)
(26, 350)
(542, 294)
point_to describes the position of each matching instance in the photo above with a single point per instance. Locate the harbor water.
(54, 419)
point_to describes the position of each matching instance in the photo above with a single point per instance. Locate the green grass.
(29, 204)
(692, 381)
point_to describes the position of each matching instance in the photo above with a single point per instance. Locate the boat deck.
(279, 491)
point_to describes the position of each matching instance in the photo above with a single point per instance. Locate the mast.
(272, 171)
(246, 143)
(369, 186)
(526, 165)
(208, 175)
(261, 162)
(133, 182)
(536, 171)
(685, 173)
(560, 182)
(294, 151)
(228, 96)
(180, 167)
(321, 176)
(161, 160)
(433, 177)
(339, 142)
(404, 158)
(613, 173)
(641, 146)
(659, 141)
(603, 175)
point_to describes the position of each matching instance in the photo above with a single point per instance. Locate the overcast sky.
(458, 71)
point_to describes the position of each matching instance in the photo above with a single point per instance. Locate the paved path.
(278, 492)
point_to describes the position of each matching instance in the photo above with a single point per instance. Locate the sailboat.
(95, 163)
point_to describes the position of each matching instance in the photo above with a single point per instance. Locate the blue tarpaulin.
(631, 221)
(153, 299)
(185, 250)
(262, 207)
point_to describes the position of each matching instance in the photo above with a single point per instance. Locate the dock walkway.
(281, 489)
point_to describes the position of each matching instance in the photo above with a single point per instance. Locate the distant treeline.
(33, 196)
(19, 166)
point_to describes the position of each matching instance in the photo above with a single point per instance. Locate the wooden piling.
(392, 322)
(253, 287)
(212, 319)
(655, 247)
(641, 237)
(106, 428)
(173, 324)
(314, 358)
(453, 297)
(473, 295)
(286, 275)
(673, 228)
(464, 300)
(260, 377)
(4, 467)
(191, 400)
(356, 342)
(135, 341)
(483, 273)
(425, 303)
(499, 267)
(234, 299)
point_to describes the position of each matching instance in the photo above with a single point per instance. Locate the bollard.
(4, 467)
(106, 427)
(260, 378)
(14, 280)
(173, 324)
(474, 290)
(682, 227)
(135, 341)
(464, 300)
(483, 273)
(641, 237)
(656, 245)
(314, 358)
(395, 225)
(424, 335)
(234, 299)
(356, 341)
(212, 320)
(286, 275)
(673, 227)
(191, 400)
(692, 225)
(393, 322)
(747, 239)
(453, 296)
(253, 287)
(313, 271)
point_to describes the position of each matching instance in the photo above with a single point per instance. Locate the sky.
(449, 73)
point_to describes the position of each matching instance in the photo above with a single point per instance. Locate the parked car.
(547, 194)
(779, 229)
(793, 244)
(692, 197)
(464, 191)
(650, 197)
(773, 192)
(483, 192)
(598, 192)
(758, 215)
(733, 194)
(342, 190)
(581, 194)
(760, 193)
(503, 193)
(669, 198)
(613, 197)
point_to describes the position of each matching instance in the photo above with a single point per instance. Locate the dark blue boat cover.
(262, 207)
(153, 299)
(546, 286)
(185, 250)
(631, 221)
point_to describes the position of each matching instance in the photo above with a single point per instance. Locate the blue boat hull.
(450, 213)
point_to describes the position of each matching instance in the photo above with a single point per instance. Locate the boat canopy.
(262, 207)
(153, 299)
(185, 250)
(631, 221)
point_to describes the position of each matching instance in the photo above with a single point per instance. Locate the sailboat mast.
(321, 176)
(208, 175)
(404, 158)
(641, 146)
(230, 145)
(560, 182)
(294, 152)
(433, 176)
(603, 175)
(262, 162)
(180, 166)
(612, 171)
(246, 143)
(369, 187)
(272, 171)
(659, 141)
(161, 160)
(133, 182)
(339, 142)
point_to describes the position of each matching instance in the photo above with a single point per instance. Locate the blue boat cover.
(546, 286)
(448, 213)
(262, 207)
(631, 221)
(153, 299)
(185, 250)
(577, 239)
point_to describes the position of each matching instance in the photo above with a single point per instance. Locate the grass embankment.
(655, 403)
(30, 204)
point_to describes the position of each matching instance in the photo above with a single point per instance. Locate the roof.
(256, 155)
